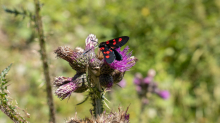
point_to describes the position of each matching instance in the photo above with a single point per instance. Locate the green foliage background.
(178, 38)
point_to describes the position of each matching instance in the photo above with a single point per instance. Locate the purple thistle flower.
(147, 80)
(122, 83)
(138, 79)
(164, 94)
(91, 42)
(65, 90)
(77, 52)
(85, 60)
(126, 63)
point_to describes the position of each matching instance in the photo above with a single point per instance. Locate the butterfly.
(108, 48)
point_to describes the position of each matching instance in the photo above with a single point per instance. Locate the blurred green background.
(178, 38)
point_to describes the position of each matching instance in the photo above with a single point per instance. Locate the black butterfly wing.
(118, 56)
(117, 42)
(109, 55)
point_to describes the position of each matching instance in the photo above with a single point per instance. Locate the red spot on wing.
(110, 50)
(120, 39)
(107, 42)
(113, 39)
(114, 43)
(104, 52)
(107, 56)
(107, 52)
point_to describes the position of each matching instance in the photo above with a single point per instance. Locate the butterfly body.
(108, 48)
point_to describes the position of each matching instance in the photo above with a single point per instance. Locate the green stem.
(39, 26)
(96, 93)
(99, 102)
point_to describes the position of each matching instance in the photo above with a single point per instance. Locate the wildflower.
(122, 83)
(138, 79)
(164, 94)
(147, 80)
(99, 71)
(67, 85)
(66, 90)
(126, 63)
(146, 85)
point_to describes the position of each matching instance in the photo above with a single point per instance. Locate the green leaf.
(5, 71)
(2, 94)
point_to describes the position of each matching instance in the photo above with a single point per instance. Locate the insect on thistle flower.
(108, 48)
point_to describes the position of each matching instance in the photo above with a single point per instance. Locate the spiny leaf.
(5, 71)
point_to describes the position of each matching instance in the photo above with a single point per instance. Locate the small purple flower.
(122, 83)
(138, 79)
(91, 42)
(126, 63)
(147, 80)
(164, 94)
(148, 86)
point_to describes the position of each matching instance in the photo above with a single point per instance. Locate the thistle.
(146, 86)
(93, 73)
(6, 102)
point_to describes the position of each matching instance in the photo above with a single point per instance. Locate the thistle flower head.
(85, 60)
(106, 80)
(67, 85)
(147, 85)
(126, 63)
(65, 90)
(137, 78)
(122, 83)
(91, 42)
(147, 80)
(164, 94)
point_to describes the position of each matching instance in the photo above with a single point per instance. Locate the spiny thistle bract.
(99, 69)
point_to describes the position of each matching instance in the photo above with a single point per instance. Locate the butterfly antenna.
(87, 51)
(91, 48)
(95, 41)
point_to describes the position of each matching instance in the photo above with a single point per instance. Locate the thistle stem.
(98, 109)
(96, 93)
(39, 26)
